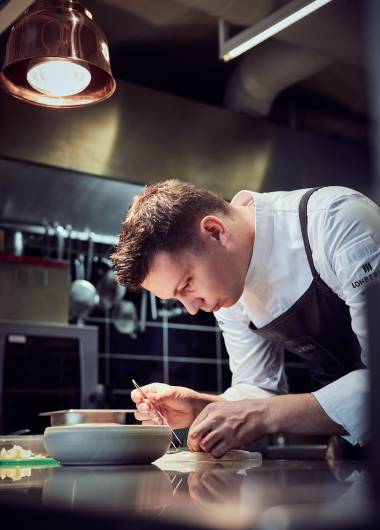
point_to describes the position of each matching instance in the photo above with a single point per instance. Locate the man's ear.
(213, 226)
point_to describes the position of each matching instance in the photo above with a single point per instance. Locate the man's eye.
(187, 285)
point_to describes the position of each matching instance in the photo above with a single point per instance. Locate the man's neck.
(245, 232)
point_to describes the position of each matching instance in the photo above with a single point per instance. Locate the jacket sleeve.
(353, 250)
(256, 364)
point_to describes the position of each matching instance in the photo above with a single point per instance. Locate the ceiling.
(311, 75)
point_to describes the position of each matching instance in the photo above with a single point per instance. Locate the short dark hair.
(163, 217)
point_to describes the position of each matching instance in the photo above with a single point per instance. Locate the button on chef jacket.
(343, 227)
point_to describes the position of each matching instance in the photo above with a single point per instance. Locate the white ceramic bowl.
(107, 444)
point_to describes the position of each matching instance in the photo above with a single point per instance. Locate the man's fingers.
(148, 419)
(145, 407)
(201, 426)
(155, 392)
(147, 389)
(210, 440)
(141, 416)
(193, 443)
(162, 395)
(194, 439)
(136, 396)
(221, 448)
(147, 412)
(150, 422)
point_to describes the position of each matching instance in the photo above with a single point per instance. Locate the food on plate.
(18, 453)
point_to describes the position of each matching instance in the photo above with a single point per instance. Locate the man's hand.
(227, 425)
(179, 405)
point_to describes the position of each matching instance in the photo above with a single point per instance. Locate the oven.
(45, 367)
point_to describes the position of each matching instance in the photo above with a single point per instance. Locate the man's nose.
(192, 306)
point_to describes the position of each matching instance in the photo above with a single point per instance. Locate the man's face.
(208, 279)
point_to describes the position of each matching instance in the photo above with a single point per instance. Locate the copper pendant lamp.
(58, 57)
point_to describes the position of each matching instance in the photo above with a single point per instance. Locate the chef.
(281, 271)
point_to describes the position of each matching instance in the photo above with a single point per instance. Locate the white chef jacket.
(344, 235)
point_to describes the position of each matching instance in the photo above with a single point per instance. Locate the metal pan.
(76, 416)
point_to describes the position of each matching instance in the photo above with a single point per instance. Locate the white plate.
(187, 461)
(107, 444)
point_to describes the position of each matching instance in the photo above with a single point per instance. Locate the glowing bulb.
(59, 78)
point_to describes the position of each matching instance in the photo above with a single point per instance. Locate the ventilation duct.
(266, 71)
(293, 55)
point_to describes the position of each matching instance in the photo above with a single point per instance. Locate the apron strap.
(303, 221)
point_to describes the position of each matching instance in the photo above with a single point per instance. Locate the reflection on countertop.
(268, 494)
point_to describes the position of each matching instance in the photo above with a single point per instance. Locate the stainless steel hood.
(141, 136)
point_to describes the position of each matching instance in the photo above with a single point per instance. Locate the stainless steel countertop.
(276, 494)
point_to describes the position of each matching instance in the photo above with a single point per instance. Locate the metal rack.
(65, 232)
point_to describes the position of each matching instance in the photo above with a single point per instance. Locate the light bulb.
(59, 78)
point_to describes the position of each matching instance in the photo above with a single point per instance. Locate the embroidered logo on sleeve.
(370, 276)
(367, 267)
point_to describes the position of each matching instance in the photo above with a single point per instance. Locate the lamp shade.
(57, 56)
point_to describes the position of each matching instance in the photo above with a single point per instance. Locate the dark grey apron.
(318, 326)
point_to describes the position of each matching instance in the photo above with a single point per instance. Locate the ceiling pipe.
(292, 56)
(268, 70)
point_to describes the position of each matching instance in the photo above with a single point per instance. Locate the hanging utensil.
(14, 242)
(47, 240)
(69, 246)
(124, 318)
(90, 257)
(144, 300)
(170, 309)
(83, 294)
(60, 236)
(153, 306)
(110, 292)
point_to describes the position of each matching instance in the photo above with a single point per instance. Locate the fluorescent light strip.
(275, 28)
(11, 11)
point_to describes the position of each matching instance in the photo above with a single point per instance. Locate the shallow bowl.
(107, 444)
